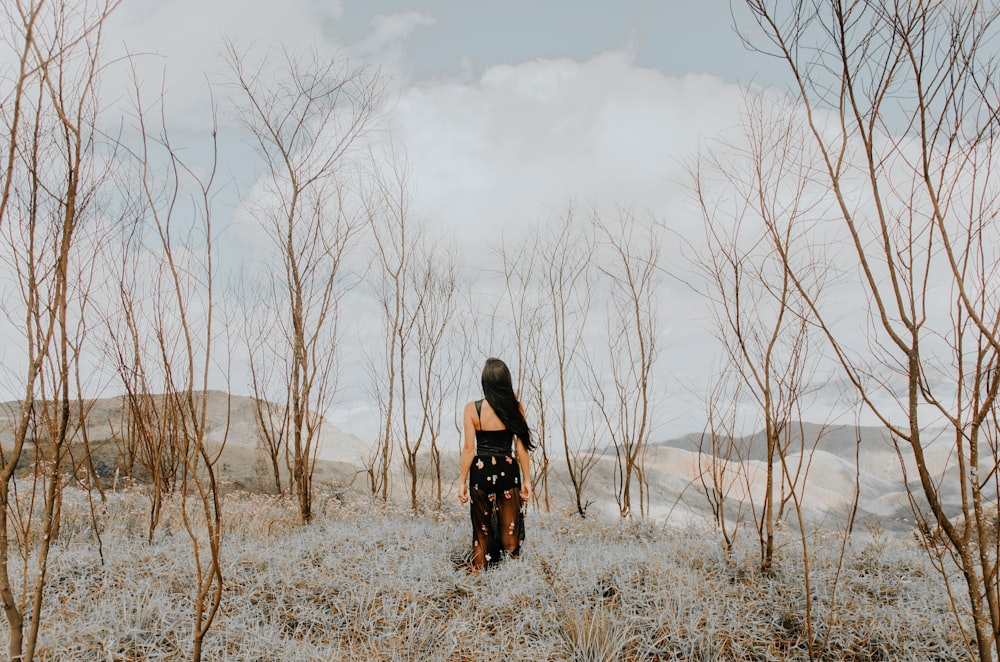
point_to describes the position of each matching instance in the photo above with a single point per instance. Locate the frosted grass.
(364, 582)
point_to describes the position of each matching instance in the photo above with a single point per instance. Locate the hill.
(228, 417)
(838, 462)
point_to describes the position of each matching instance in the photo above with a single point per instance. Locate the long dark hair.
(499, 392)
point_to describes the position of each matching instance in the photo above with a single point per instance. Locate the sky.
(521, 104)
(508, 110)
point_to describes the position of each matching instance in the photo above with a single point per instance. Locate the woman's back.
(488, 419)
(492, 436)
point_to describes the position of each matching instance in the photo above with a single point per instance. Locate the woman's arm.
(468, 453)
(524, 460)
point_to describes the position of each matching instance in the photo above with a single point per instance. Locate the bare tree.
(900, 101)
(527, 317)
(565, 252)
(176, 351)
(437, 354)
(146, 435)
(273, 422)
(417, 285)
(631, 273)
(722, 460)
(532, 392)
(753, 197)
(267, 378)
(48, 189)
(187, 363)
(394, 234)
(307, 117)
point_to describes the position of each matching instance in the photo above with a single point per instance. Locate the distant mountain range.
(833, 459)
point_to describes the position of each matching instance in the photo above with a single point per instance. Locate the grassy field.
(363, 582)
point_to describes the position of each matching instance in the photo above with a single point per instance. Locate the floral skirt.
(496, 509)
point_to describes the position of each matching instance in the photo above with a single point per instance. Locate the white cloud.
(515, 145)
(183, 40)
(385, 44)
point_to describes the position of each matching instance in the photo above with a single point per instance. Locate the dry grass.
(368, 583)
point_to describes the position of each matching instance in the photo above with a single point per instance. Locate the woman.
(496, 469)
